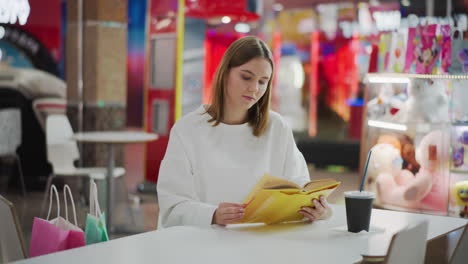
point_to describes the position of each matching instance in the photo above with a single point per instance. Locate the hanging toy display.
(417, 117)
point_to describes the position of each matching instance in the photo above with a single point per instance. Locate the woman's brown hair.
(240, 52)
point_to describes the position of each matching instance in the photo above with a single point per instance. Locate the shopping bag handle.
(65, 190)
(91, 197)
(94, 208)
(53, 189)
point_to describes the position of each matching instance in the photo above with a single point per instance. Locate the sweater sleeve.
(295, 166)
(177, 197)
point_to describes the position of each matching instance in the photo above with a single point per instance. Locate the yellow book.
(274, 200)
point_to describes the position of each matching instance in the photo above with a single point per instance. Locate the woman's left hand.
(320, 211)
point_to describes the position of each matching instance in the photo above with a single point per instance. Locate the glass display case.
(417, 128)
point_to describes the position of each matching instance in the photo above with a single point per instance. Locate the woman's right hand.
(227, 213)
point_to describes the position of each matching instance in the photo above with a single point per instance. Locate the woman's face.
(247, 83)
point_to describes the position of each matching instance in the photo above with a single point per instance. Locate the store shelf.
(460, 124)
(459, 171)
(405, 77)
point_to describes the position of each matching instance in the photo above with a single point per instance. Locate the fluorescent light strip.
(377, 77)
(386, 125)
(386, 79)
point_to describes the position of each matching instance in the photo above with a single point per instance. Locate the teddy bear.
(389, 139)
(427, 102)
(432, 153)
(408, 154)
(380, 160)
(405, 145)
(392, 184)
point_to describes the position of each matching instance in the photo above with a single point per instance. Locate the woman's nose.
(253, 87)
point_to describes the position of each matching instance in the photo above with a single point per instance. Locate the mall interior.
(374, 91)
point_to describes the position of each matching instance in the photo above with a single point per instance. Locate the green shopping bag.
(95, 229)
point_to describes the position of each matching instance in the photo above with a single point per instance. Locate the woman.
(217, 153)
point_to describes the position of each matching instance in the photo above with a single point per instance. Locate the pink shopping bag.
(49, 236)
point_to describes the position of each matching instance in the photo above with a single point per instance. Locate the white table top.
(114, 136)
(322, 241)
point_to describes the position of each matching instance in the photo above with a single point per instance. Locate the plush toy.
(380, 161)
(393, 185)
(427, 102)
(458, 156)
(405, 145)
(460, 150)
(408, 154)
(432, 154)
(389, 139)
(463, 58)
(461, 197)
(386, 104)
(380, 105)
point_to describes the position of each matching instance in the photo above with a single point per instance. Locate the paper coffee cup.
(358, 210)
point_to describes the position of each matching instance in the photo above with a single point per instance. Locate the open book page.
(267, 204)
(319, 184)
(269, 182)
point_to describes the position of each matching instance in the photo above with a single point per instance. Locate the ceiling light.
(242, 28)
(386, 79)
(226, 19)
(386, 125)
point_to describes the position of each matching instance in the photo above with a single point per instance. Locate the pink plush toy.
(394, 185)
(433, 156)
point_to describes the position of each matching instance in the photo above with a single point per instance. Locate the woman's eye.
(262, 83)
(246, 78)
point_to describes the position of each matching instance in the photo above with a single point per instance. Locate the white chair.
(460, 254)
(44, 107)
(408, 245)
(10, 138)
(11, 238)
(62, 152)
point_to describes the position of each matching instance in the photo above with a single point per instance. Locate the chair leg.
(20, 170)
(46, 193)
